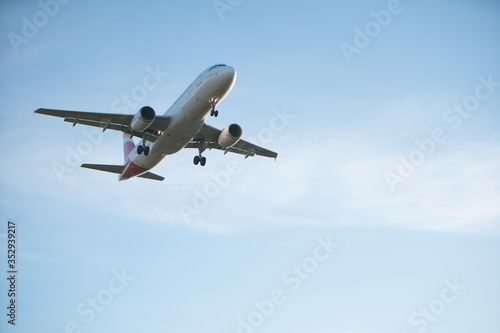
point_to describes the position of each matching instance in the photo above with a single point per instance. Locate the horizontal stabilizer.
(104, 167)
(150, 175)
(118, 169)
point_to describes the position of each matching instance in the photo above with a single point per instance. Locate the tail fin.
(128, 146)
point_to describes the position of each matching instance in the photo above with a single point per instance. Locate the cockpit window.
(214, 66)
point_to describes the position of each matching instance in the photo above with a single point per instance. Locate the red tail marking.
(128, 146)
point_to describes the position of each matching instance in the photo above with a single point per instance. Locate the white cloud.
(337, 183)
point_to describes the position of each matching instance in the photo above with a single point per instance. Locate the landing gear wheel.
(212, 112)
(146, 151)
(139, 149)
(196, 160)
(216, 113)
(203, 161)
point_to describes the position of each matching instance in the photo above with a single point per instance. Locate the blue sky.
(381, 213)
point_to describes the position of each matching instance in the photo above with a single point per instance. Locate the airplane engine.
(229, 136)
(143, 119)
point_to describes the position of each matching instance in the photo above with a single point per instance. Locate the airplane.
(182, 126)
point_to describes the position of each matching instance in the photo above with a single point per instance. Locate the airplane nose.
(230, 70)
(229, 73)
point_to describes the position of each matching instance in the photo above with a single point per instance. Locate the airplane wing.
(209, 135)
(113, 121)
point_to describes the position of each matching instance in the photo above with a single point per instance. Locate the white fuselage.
(188, 115)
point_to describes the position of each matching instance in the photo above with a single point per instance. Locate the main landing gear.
(143, 148)
(198, 159)
(213, 103)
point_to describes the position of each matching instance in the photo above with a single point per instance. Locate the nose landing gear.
(213, 103)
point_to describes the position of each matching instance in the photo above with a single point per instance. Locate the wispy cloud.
(339, 183)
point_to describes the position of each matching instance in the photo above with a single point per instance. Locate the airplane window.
(219, 65)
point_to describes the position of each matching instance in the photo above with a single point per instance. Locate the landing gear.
(213, 103)
(198, 159)
(143, 148)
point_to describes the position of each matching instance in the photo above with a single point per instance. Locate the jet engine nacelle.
(229, 136)
(143, 119)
